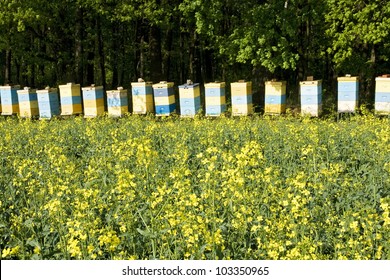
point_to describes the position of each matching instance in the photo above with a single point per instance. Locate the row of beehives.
(160, 99)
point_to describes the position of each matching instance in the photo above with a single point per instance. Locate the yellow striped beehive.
(117, 102)
(93, 101)
(70, 99)
(241, 93)
(347, 94)
(48, 103)
(164, 98)
(382, 95)
(311, 97)
(275, 97)
(9, 100)
(142, 97)
(215, 98)
(28, 102)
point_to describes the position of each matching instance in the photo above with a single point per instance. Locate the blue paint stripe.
(311, 99)
(9, 97)
(347, 96)
(189, 110)
(215, 110)
(141, 90)
(347, 86)
(382, 97)
(93, 94)
(165, 109)
(275, 99)
(214, 92)
(70, 100)
(190, 102)
(117, 102)
(27, 97)
(163, 92)
(311, 90)
(242, 100)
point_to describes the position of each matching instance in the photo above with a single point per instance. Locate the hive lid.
(384, 77)
(163, 84)
(92, 87)
(311, 83)
(8, 86)
(216, 84)
(69, 85)
(348, 78)
(275, 82)
(47, 90)
(141, 84)
(189, 85)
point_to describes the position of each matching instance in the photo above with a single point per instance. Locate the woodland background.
(113, 42)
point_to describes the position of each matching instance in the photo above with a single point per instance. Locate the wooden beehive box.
(70, 99)
(164, 98)
(142, 97)
(311, 97)
(275, 97)
(241, 94)
(48, 103)
(215, 98)
(9, 100)
(28, 102)
(117, 102)
(93, 101)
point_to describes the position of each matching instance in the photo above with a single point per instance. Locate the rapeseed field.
(171, 188)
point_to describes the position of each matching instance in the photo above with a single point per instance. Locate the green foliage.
(173, 188)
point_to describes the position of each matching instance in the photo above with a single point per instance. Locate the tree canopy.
(113, 42)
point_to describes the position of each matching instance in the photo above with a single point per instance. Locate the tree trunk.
(101, 51)
(155, 53)
(115, 58)
(167, 56)
(8, 60)
(79, 48)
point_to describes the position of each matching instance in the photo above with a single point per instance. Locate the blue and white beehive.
(311, 97)
(9, 100)
(215, 98)
(117, 102)
(347, 94)
(189, 97)
(70, 99)
(93, 101)
(382, 95)
(275, 97)
(142, 97)
(28, 102)
(48, 103)
(241, 93)
(164, 98)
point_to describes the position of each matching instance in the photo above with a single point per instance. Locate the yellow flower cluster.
(172, 188)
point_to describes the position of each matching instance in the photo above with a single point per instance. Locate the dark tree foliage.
(113, 42)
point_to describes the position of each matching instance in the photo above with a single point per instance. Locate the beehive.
(28, 103)
(215, 98)
(347, 94)
(9, 100)
(93, 101)
(48, 103)
(70, 99)
(275, 97)
(164, 98)
(189, 97)
(241, 93)
(117, 102)
(142, 97)
(382, 95)
(311, 97)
